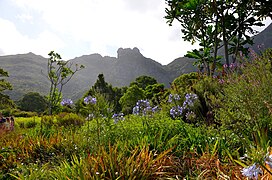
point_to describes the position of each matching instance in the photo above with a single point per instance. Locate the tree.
(59, 73)
(5, 101)
(129, 99)
(34, 102)
(111, 94)
(155, 93)
(217, 24)
(144, 81)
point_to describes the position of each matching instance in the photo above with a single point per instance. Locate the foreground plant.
(115, 163)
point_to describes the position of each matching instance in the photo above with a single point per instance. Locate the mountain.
(263, 40)
(181, 65)
(27, 72)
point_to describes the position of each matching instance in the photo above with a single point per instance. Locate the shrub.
(47, 121)
(18, 113)
(247, 97)
(69, 119)
(30, 124)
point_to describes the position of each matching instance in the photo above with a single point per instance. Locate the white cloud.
(25, 17)
(106, 23)
(103, 25)
(13, 42)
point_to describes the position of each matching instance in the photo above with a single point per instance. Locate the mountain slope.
(27, 72)
(261, 41)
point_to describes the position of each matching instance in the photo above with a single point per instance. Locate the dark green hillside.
(25, 74)
(180, 66)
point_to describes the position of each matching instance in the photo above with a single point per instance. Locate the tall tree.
(34, 102)
(111, 94)
(5, 101)
(59, 73)
(216, 24)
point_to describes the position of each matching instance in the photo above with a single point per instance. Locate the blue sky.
(81, 27)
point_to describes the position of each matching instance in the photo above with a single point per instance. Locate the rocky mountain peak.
(125, 52)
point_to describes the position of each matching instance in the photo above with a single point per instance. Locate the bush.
(18, 113)
(69, 119)
(30, 124)
(247, 97)
(47, 121)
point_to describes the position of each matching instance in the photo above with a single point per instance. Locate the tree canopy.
(34, 102)
(217, 24)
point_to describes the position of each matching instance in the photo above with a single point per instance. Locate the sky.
(74, 28)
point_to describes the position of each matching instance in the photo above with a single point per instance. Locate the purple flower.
(176, 97)
(176, 111)
(225, 66)
(221, 81)
(66, 102)
(118, 117)
(143, 108)
(252, 53)
(189, 100)
(90, 100)
(252, 171)
(155, 109)
(233, 65)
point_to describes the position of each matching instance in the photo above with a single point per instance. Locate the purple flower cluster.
(177, 111)
(90, 100)
(118, 117)
(174, 97)
(189, 100)
(66, 102)
(252, 171)
(143, 108)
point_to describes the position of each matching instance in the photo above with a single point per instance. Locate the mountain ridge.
(27, 72)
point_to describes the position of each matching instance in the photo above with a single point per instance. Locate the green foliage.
(18, 113)
(34, 102)
(184, 82)
(69, 120)
(144, 81)
(111, 94)
(215, 24)
(155, 93)
(129, 99)
(246, 105)
(5, 101)
(59, 73)
(47, 121)
(30, 124)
